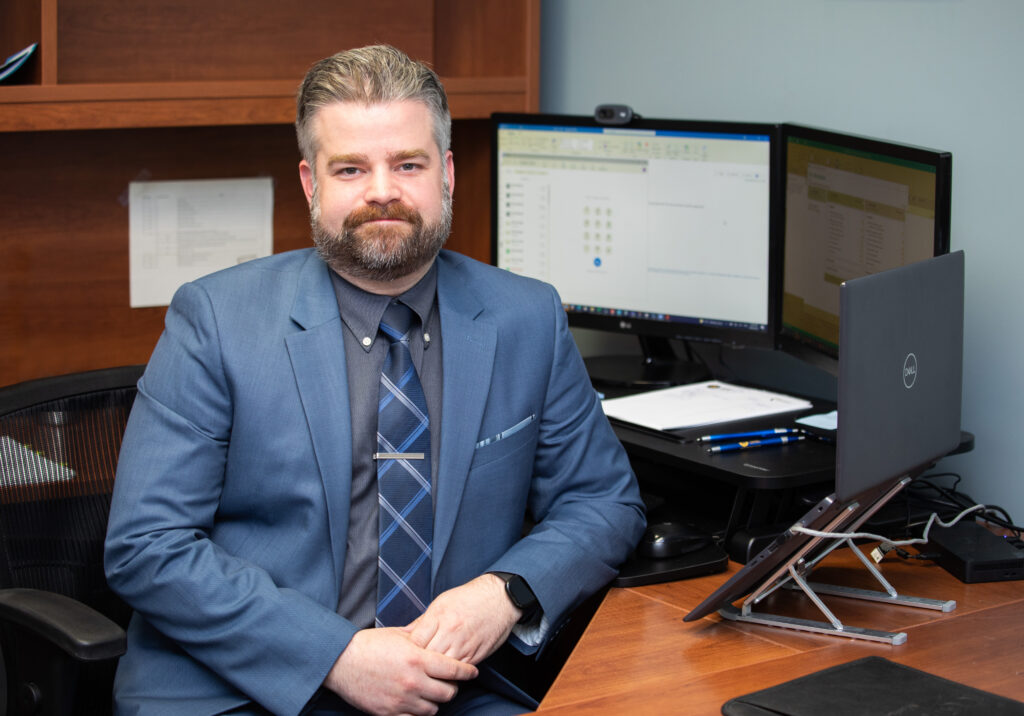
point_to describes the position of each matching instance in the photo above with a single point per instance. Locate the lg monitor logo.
(910, 371)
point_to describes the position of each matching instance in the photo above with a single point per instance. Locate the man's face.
(380, 201)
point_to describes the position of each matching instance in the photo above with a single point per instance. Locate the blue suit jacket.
(228, 525)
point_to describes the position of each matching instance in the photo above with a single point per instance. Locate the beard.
(385, 252)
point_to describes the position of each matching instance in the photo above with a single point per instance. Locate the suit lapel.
(469, 343)
(317, 355)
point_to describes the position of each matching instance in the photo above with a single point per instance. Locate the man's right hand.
(382, 671)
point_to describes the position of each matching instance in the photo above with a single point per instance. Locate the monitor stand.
(658, 366)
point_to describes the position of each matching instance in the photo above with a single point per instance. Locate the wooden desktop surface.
(637, 656)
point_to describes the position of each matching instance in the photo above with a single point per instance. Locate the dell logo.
(625, 325)
(910, 370)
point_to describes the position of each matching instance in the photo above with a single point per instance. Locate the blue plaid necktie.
(403, 479)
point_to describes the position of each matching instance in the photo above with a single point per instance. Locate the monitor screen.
(659, 228)
(853, 206)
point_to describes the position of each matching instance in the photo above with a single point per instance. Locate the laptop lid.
(897, 414)
(901, 372)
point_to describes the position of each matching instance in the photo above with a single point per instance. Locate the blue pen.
(748, 444)
(771, 432)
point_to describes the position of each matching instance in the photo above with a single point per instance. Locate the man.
(245, 528)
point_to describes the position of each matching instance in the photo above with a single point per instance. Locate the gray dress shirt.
(365, 351)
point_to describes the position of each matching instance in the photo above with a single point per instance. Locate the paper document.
(25, 466)
(181, 230)
(687, 406)
(823, 421)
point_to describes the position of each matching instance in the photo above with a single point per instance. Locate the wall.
(937, 73)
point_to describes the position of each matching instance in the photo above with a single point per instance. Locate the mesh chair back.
(59, 442)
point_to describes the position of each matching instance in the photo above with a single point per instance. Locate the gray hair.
(369, 75)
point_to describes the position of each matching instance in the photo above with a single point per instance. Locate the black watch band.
(520, 594)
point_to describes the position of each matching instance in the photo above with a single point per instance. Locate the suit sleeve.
(583, 496)
(274, 644)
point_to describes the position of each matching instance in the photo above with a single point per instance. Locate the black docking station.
(972, 553)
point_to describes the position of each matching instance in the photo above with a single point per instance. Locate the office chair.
(61, 628)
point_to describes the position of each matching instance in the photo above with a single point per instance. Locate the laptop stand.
(792, 576)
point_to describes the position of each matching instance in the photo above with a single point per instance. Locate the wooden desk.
(639, 657)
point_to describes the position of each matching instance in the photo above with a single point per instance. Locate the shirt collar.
(361, 311)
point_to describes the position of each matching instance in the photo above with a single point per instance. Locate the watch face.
(521, 595)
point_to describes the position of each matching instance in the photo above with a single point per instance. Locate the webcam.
(615, 114)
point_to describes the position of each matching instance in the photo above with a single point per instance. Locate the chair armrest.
(79, 630)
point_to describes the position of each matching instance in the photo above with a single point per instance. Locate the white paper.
(706, 403)
(823, 421)
(28, 467)
(181, 230)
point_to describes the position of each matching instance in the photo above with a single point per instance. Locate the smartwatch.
(520, 594)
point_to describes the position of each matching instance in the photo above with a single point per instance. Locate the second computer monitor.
(854, 206)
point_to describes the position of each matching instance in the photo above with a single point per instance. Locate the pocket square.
(507, 433)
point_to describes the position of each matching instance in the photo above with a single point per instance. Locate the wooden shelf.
(25, 108)
(119, 92)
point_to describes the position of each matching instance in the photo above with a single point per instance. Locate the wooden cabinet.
(120, 91)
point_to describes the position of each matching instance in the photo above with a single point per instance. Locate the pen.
(770, 432)
(748, 444)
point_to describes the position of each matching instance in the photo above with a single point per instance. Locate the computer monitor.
(664, 229)
(853, 206)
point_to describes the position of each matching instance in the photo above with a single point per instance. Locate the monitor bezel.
(801, 346)
(702, 332)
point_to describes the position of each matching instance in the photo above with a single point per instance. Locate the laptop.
(899, 402)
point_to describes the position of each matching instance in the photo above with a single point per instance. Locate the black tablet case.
(871, 686)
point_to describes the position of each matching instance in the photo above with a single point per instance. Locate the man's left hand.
(467, 623)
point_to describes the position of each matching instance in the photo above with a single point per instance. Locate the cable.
(904, 554)
(886, 542)
(924, 493)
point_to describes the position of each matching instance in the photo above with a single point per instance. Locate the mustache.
(394, 210)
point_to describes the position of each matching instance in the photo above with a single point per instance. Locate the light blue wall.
(947, 74)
